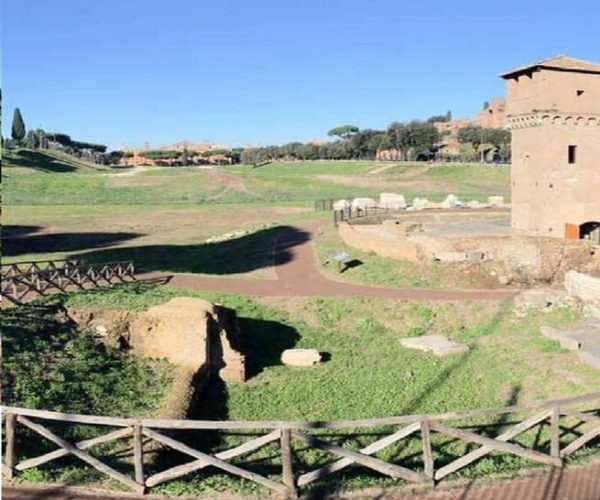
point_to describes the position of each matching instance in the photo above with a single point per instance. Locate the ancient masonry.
(553, 110)
(200, 339)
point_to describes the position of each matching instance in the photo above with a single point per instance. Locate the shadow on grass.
(40, 161)
(22, 240)
(240, 255)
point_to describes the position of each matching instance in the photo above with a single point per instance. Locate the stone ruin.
(436, 344)
(395, 201)
(199, 338)
(582, 291)
(461, 236)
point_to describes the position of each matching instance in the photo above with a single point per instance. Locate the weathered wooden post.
(555, 432)
(426, 442)
(138, 456)
(286, 463)
(10, 457)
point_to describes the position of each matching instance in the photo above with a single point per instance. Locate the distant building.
(494, 114)
(449, 132)
(553, 110)
(196, 151)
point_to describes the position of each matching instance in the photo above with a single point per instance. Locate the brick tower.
(553, 110)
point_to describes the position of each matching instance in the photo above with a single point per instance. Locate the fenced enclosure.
(352, 213)
(31, 279)
(560, 427)
(326, 204)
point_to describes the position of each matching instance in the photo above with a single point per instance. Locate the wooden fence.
(350, 213)
(566, 418)
(30, 279)
(326, 204)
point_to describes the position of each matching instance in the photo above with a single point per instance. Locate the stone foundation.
(368, 240)
(583, 286)
(199, 338)
(475, 238)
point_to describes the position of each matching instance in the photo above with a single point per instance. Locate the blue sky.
(268, 71)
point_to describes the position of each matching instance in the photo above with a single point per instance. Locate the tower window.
(580, 93)
(572, 154)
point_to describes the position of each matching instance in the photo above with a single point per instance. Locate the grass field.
(56, 206)
(165, 238)
(373, 269)
(369, 374)
(34, 178)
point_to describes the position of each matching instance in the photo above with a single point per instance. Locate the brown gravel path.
(298, 275)
(576, 483)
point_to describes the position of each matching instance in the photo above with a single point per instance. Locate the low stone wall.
(474, 238)
(583, 286)
(367, 239)
(199, 338)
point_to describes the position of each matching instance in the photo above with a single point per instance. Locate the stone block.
(583, 286)
(436, 344)
(451, 201)
(419, 203)
(563, 338)
(590, 359)
(341, 205)
(300, 357)
(364, 203)
(540, 298)
(495, 201)
(392, 201)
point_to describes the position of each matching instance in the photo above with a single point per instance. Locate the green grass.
(27, 161)
(382, 271)
(40, 178)
(302, 168)
(369, 374)
(157, 238)
(49, 363)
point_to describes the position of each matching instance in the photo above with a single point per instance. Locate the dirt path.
(298, 275)
(577, 483)
(378, 170)
(131, 172)
(230, 183)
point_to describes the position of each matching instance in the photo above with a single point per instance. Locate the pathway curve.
(298, 275)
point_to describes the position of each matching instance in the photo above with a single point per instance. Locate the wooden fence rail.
(564, 417)
(31, 279)
(352, 213)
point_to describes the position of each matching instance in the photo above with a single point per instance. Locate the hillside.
(28, 160)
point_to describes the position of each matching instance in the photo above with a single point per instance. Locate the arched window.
(590, 231)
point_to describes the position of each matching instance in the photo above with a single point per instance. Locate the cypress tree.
(18, 126)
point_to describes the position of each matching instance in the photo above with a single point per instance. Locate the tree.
(471, 135)
(343, 131)
(448, 116)
(31, 140)
(438, 118)
(18, 126)
(413, 139)
(497, 137)
(185, 157)
(42, 139)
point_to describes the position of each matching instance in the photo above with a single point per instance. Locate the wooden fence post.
(427, 455)
(10, 457)
(138, 454)
(555, 432)
(286, 463)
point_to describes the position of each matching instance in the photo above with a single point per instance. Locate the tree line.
(40, 139)
(411, 141)
(415, 140)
